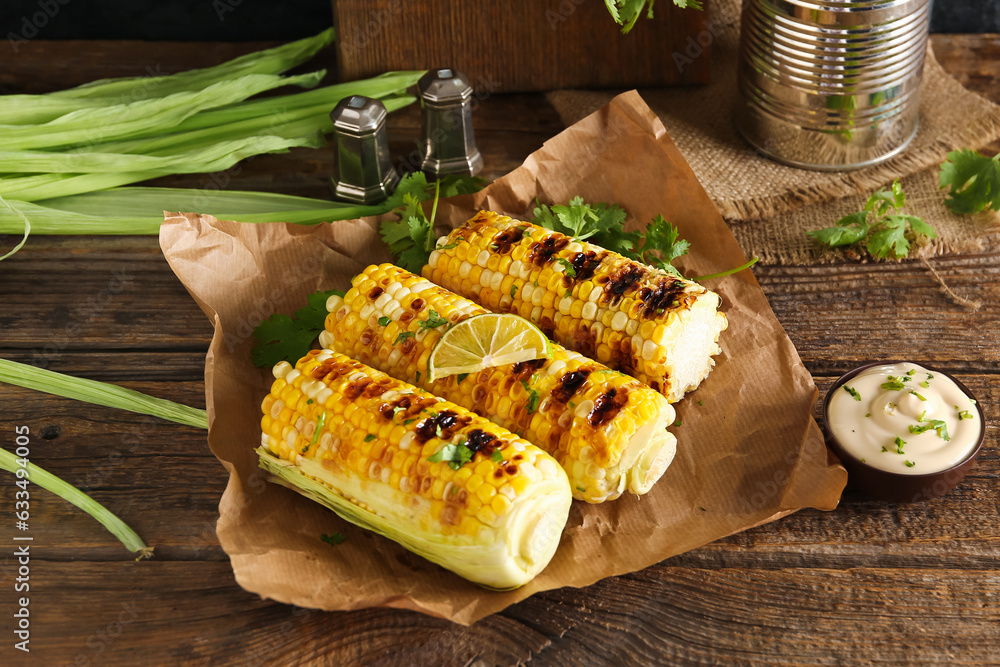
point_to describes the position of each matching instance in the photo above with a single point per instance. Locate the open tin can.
(831, 84)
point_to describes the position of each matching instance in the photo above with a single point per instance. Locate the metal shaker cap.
(365, 172)
(448, 141)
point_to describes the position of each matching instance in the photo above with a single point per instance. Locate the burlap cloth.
(768, 205)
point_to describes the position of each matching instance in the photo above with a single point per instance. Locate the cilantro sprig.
(454, 455)
(880, 227)
(603, 225)
(287, 338)
(411, 238)
(627, 12)
(973, 181)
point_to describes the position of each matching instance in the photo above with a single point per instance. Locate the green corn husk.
(99, 393)
(214, 158)
(68, 492)
(285, 116)
(121, 121)
(36, 109)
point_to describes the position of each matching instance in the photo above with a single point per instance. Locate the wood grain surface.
(523, 45)
(869, 583)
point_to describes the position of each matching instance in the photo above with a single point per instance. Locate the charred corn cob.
(443, 482)
(607, 430)
(650, 324)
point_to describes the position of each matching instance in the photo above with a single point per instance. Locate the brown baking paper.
(749, 450)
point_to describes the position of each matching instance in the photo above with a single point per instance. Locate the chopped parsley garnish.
(453, 244)
(567, 266)
(918, 395)
(319, 424)
(396, 410)
(310, 402)
(568, 294)
(403, 335)
(369, 437)
(884, 448)
(407, 422)
(899, 442)
(418, 377)
(853, 392)
(532, 397)
(925, 384)
(513, 291)
(930, 376)
(497, 457)
(909, 464)
(868, 414)
(433, 321)
(334, 539)
(453, 455)
(963, 414)
(935, 424)
(911, 372)
(581, 489)
(462, 376)
(383, 321)
(701, 402)
(893, 383)
(679, 423)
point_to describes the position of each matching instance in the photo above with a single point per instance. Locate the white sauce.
(868, 428)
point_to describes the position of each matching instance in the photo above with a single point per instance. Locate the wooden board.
(523, 45)
(869, 583)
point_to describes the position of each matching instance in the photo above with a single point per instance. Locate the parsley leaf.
(496, 457)
(627, 12)
(411, 238)
(974, 180)
(403, 335)
(894, 383)
(853, 392)
(334, 539)
(880, 227)
(663, 238)
(454, 455)
(288, 338)
(433, 321)
(567, 266)
(383, 321)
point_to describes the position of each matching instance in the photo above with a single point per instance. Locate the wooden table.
(869, 582)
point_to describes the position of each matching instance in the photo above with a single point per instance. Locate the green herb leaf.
(513, 291)
(284, 338)
(369, 437)
(497, 457)
(411, 238)
(909, 464)
(894, 383)
(918, 395)
(403, 335)
(532, 401)
(567, 266)
(334, 539)
(936, 424)
(883, 231)
(454, 455)
(320, 421)
(853, 392)
(461, 376)
(899, 442)
(384, 321)
(973, 179)
(627, 12)
(433, 321)
(661, 245)
(963, 414)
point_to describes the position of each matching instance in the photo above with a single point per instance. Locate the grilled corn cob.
(491, 510)
(607, 430)
(650, 324)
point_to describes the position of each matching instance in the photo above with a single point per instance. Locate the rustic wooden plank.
(193, 613)
(556, 44)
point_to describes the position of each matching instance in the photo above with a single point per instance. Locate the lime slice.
(484, 341)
